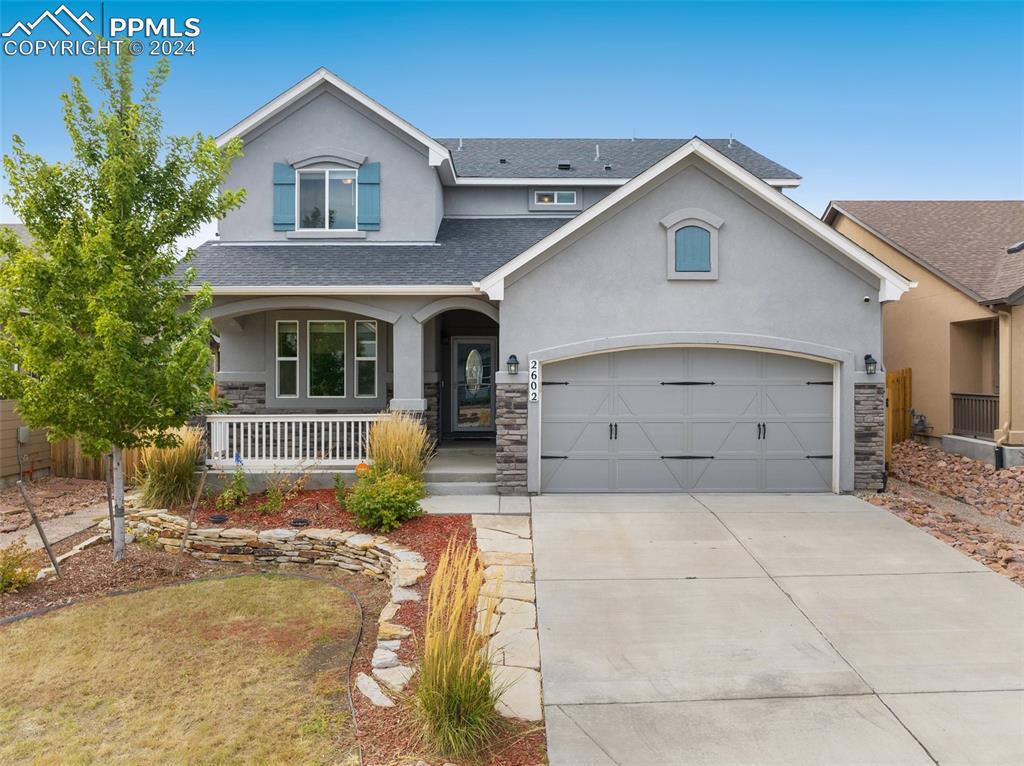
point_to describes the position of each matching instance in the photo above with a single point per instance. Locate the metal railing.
(289, 442)
(975, 415)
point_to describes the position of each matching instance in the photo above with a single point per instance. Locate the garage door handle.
(687, 457)
(687, 382)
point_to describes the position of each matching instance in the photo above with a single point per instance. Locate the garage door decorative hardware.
(613, 430)
(762, 430)
(819, 382)
(554, 382)
(687, 457)
(819, 457)
(687, 382)
(554, 457)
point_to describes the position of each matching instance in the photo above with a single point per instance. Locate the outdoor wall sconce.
(513, 365)
(870, 364)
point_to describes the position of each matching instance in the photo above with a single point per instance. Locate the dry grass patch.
(251, 669)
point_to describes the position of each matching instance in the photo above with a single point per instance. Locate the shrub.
(15, 572)
(339, 490)
(168, 474)
(234, 493)
(456, 698)
(400, 444)
(273, 499)
(383, 501)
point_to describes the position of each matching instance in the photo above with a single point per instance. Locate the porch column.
(408, 341)
(1009, 428)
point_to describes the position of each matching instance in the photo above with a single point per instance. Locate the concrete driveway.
(769, 629)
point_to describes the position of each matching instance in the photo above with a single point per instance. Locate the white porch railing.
(289, 442)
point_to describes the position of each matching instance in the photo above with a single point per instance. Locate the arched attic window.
(691, 244)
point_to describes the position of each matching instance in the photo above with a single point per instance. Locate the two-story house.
(617, 315)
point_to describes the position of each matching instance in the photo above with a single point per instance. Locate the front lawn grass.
(250, 669)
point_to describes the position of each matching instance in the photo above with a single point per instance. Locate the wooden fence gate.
(898, 401)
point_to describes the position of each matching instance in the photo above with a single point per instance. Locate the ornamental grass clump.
(399, 443)
(168, 474)
(456, 698)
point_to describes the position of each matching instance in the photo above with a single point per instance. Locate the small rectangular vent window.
(554, 198)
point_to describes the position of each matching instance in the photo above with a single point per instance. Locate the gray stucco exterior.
(780, 288)
(775, 291)
(411, 195)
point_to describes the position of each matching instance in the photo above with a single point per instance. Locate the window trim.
(680, 219)
(356, 359)
(278, 358)
(554, 195)
(344, 356)
(327, 197)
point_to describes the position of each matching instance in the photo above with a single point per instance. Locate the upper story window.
(554, 198)
(326, 199)
(692, 244)
(693, 249)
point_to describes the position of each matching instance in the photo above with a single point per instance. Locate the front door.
(473, 399)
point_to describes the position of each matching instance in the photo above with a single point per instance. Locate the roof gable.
(437, 153)
(892, 284)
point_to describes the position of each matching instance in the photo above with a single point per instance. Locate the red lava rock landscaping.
(51, 497)
(994, 493)
(996, 551)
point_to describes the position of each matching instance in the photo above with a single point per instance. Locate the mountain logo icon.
(70, 21)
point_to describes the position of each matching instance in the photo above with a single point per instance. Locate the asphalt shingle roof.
(466, 251)
(539, 157)
(963, 241)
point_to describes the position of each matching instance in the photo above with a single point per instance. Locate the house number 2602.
(534, 380)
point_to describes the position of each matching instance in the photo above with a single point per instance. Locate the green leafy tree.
(98, 339)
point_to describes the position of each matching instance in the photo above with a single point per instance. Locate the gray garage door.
(698, 419)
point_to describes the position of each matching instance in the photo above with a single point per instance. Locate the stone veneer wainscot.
(869, 435)
(510, 440)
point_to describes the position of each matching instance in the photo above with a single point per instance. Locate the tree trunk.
(117, 531)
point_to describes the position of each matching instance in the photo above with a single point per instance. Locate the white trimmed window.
(287, 355)
(325, 363)
(326, 199)
(366, 358)
(554, 198)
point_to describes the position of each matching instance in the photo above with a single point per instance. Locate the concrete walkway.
(59, 528)
(769, 629)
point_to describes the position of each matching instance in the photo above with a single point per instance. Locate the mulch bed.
(51, 497)
(318, 506)
(996, 551)
(93, 573)
(994, 493)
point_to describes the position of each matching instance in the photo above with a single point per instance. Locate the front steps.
(462, 470)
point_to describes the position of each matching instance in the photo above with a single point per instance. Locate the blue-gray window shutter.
(369, 197)
(284, 197)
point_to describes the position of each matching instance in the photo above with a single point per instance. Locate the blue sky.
(865, 100)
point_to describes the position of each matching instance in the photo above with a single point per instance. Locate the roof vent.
(1017, 248)
(565, 166)
(607, 167)
(503, 161)
(597, 152)
(460, 145)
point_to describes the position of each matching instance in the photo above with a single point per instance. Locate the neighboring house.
(679, 323)
(961, 329)
(35, 451)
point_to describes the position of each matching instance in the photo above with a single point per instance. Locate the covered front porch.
(307, 376)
